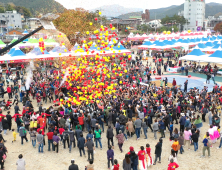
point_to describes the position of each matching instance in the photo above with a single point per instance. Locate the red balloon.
(133, 77)
(96, 19)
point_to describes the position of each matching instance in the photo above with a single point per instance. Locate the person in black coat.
(195, 137)
(110, 135)
(9, 119)
(158, 151)
(1, 157)
(73, 166)
(5, 125)
(134, 160)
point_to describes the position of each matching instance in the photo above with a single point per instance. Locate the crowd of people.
(134, 110)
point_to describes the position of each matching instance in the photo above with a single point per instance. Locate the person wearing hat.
(73, 166)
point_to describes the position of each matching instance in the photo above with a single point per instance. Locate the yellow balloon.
(90, 23)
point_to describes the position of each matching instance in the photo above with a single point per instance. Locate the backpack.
(66, 136)
(209, 143)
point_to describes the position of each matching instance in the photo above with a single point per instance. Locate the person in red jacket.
(81, 122)
(50, 141)
(15, 116)
(116, 165)
(174, 82)
(1, 115)
(38, 98)
(172, 165)
(9, 91)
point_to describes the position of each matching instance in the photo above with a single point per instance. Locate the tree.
(218, 27)
(24, 11)
(174, 19)
(72, 21)
(2, 10)
(144, 28)
(10, 7)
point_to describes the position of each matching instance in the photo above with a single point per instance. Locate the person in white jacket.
(20, 163)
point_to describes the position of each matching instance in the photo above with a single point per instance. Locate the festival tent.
(17, 52)
(215, 42)
(205, 39)
(145, 45)
(216, 46)
(194, 55)
(121, 50)
(209, 44)
(216, 57)
(11, 51)
(201, 45)
(25, 32)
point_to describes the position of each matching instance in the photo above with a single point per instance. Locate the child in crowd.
(14, 135)
(116, 165)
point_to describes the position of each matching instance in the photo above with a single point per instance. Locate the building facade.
(194, 12)
(12, 19)
(146, 16)
(32, 23)
(213, 21)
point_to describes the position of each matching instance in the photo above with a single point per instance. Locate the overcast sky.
(144, 4)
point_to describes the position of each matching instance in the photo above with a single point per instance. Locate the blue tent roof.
(209, 44)
(215, 42)
(173, 40)
(217, 46)
(119, 47)
(161, 44)
(201, 45)
(147, 43)
(193, 40)
(217, 54)
(214, 37)
(17, 52)
(204, 39)
(155, 42)
(198, 39)
(196, 52)
(219, 37)
(170, 43)
(11, 51)
(180, 40)
(186, 41)
(25, 32)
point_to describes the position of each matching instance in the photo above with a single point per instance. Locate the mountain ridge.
(38, 6)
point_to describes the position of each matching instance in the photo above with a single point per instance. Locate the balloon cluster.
(93, 77)
(41, 45)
